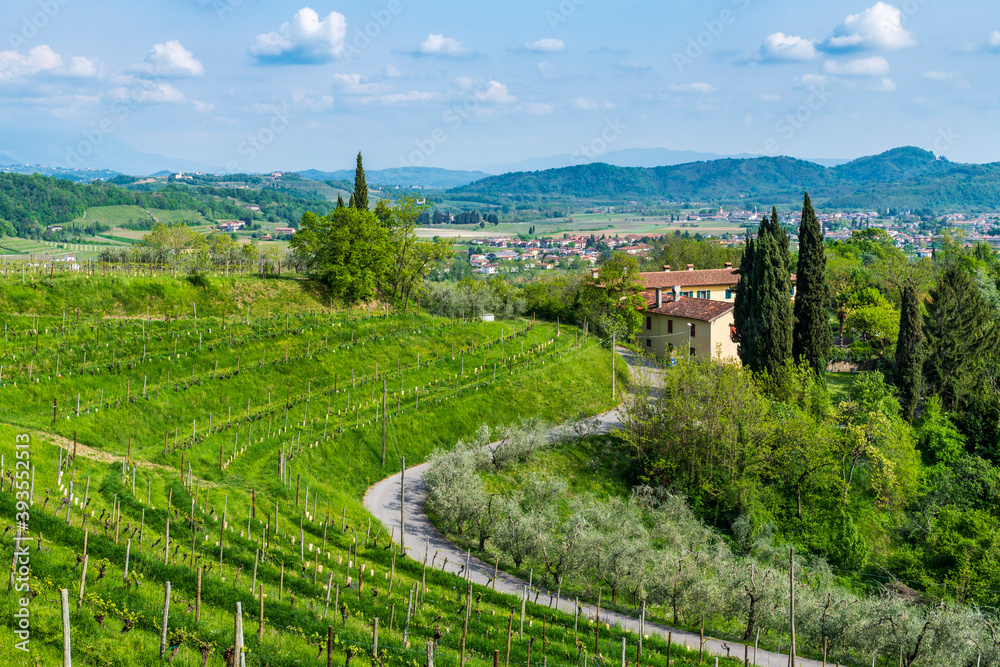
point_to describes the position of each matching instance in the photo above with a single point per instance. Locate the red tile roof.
(667, 279)
(703, 310)
(687, 279)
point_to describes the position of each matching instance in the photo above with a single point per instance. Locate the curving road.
(421, 537)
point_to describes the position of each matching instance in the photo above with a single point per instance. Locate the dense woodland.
(29, 204)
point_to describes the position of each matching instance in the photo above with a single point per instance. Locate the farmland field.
(229, 431)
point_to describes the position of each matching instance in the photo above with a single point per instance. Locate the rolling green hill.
(905, 178)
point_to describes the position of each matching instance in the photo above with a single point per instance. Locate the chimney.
(666, 268)
(690, 267)
(677, 293)
(659, 298)
(729, 265)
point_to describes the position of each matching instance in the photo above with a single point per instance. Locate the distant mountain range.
(904, 178)
(407, 177)
(631, 157)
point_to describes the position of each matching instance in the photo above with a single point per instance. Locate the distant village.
(914, 234)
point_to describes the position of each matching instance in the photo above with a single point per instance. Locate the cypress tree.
(340, 201)
(774, 309)
(763, 309)
(958, 331)
(360, 187)
(743, 306)
(909, 352)
(811, 337)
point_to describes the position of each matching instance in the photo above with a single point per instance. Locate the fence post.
(83, 581)
(166, 612)
(430, 653)
(375, 637)
(67, 645)
(329, 588)
(238, 637)
(329, 646)
(197, 600)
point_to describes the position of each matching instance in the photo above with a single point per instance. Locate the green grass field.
(284, 391)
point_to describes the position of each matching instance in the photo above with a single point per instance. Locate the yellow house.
(711, 284)
(702, 327)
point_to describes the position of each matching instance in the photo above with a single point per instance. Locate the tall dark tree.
(744, 305)
(909, 352)
(763, 308)
(811, 337)
(959, 331)
(360, 187)
(340, 201)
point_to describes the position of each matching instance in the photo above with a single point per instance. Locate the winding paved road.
(383, 501)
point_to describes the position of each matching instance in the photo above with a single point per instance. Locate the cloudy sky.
(255, 85)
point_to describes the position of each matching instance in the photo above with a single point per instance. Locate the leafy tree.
(909, 353)
(611, 299)
(959, 333)
(763, 308)
(360, 187)
(340, 200)
(811, 338)
(348, 250)
(412, 259)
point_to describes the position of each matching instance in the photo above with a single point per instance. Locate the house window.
(692, 330)
(670, 326)
(704, 294)
(649, 323)
(692, 352)
(729, 294)
(649, 343)
(793, 290)
(687, 294)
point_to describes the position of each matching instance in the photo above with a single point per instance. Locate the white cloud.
(303, 100)
(699, 88)
(14, 65)
(769, 97)
(495, 93)
(633, 66)
(993, 41)
(170, 59)
(583, 104)
(81, 68)
(874, 66)
(536, 108)
(43, 60)
(391, 72)
(780, 47)
(143, 91)
(439, 45)
(547, 70)
(305, 39)
(878, 27)
(546, 45)
(886, 85)
(202, 107)
(811, 81)
(955, 78)
(405, 98)
(351, 83)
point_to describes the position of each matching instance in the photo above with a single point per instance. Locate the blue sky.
(256, 86)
